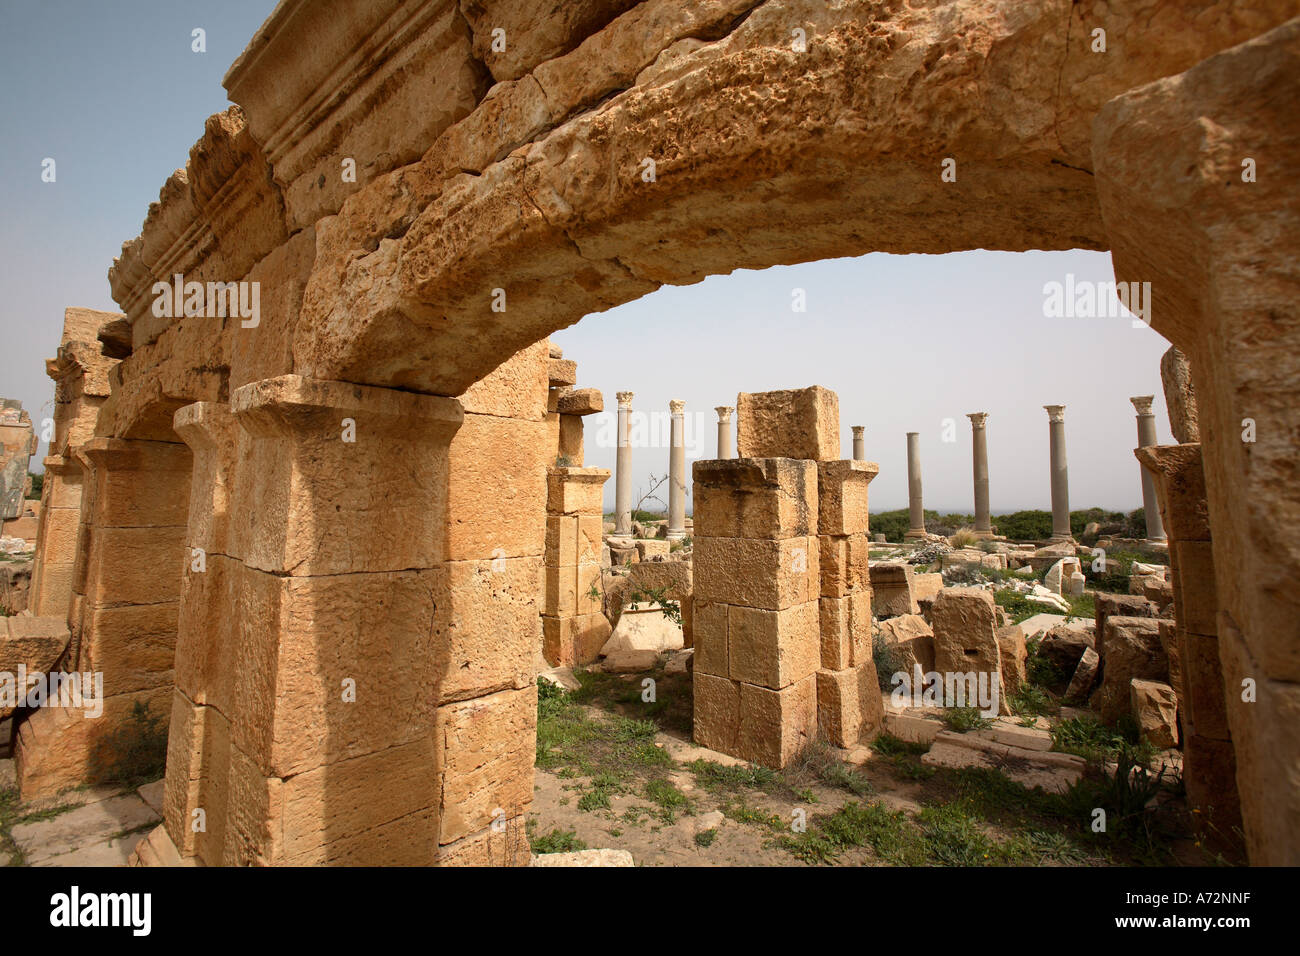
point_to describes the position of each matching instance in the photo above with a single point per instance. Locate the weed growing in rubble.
(965, 719)
(557, 841)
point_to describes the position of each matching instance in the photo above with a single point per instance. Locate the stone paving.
(96, 826)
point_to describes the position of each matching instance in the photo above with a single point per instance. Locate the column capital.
(724, 413)
(1142, 403)
(977, 419)
(1055, 413)
(676, 406)
(913, 434)
(858, 430)
(624, 399)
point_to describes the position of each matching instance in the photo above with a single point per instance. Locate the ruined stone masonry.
(408, 559)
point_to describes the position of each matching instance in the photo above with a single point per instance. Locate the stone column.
(859, 443)
(726, 445)
(1146, 422)
(916, 510)
(122, 617)
(1060, 475)
(1196, 670)
(623, 472)
(677, 472)
(980, 463)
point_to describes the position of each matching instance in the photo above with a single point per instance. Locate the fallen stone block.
(1155, 707)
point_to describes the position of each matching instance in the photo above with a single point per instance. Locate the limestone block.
(1063, 645)
(496, 488)
(763, 574)
(505, 843)
(1180, 396)
(560, 372)
(568, 590)
(1120, 605)
(773, 648)
(1013, 657)
(574, 641)
(1058, 575)
(378, 808)
(570, 445)
(1131, 650)
(710, 633)
(139, 483)
(1156, 708)
(1202, 697)
(488, 745)
(535, 31)
(907, 643)
(405, 639)
(651, 547)
(840, 698)
(844, 564)
(845, 630)
(795, 423)
(770, 498)
(388, 487)
(574, 490)
(517, 388)
(135, 565)
(581, 401)
(926, 586)
(1085, 676)
(891, 589)
(842, 496)
(133, 645)
(776, 725)
(58, 748)
(717, 712)
(1197, 603)
(964, 636)
(644, 628)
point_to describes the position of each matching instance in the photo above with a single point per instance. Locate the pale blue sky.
(115, 95)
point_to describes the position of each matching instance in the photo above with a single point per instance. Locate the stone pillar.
(726, 445)
(848, 693)
(980, 464)
(859, 443)
(56, 538)
(1196, 670)
(916, 510)
(756, 618)
(374, 714)
(1146, 424)
(623, 472)
(574, 627)
(123, 615)
(1060, 475)
(677, 472)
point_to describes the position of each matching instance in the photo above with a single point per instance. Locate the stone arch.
(534, 181)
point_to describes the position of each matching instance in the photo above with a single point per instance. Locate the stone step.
(85, 827)
(1054, 772)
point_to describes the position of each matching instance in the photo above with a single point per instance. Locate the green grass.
(667, 798)
(557, 841)
(1092, 740)
(719, 779)
(705, 838)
